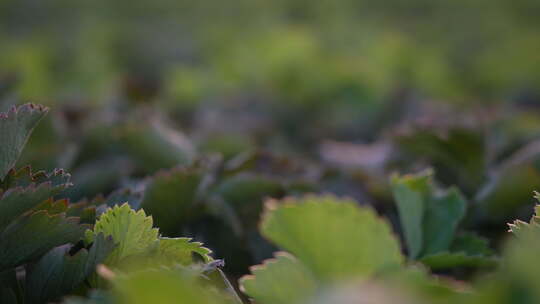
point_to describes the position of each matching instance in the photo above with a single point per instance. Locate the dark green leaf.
(16, 201)
(443, 214)
(245, 194)
(7, 296)
(59, 272)
(471, 244)
(170, 197)
(15, 128)
(448, 260)
(34, 234)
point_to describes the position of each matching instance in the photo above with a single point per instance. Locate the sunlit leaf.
(163, 287)
(131, 230)
(181, 250)
(282, 280)
(335, 238)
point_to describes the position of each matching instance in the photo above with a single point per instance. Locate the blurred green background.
(347, 66)
(290, 96)
(348, 53)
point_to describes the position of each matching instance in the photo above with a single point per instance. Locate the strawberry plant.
(50, 247)
(141, 243)
(336, 252)
(430, 219)
(32, 222)
(339, 252)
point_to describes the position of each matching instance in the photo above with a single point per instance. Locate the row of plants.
(356, 54)
(142, 242)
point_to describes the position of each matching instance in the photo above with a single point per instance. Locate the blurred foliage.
(197, 113)
(347, 52)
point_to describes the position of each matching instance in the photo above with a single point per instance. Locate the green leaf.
(216, 278)
(368, 293)
(442, 216)
(7, 296)
(34, 234)
(245, 194)
(519, 227)
(139, 246)
(96, 296)
(16, 178)
(170, 196)
(471, 244)
(131, 230)
(283, 280)
(98, 176)
(459, 155)
(334, 238)
(164, 287)
(15, 128)
(181, 250)
(59, 272)
(8, 285)
(429, 217)
(154, 145)
(54, 206)
(410, 193)
(520, 268)
(16, 201)
(125, 195)
(417, 280)
(448, 260)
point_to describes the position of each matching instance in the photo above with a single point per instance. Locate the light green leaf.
(410, 193)
(520, 267)
(362, 293)
(131, 230)
(181, 250)
(519, 227)
(15, 128)
(418, 281)
(164, 287)
(283, 280)
(443, 214)
(334, 238)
